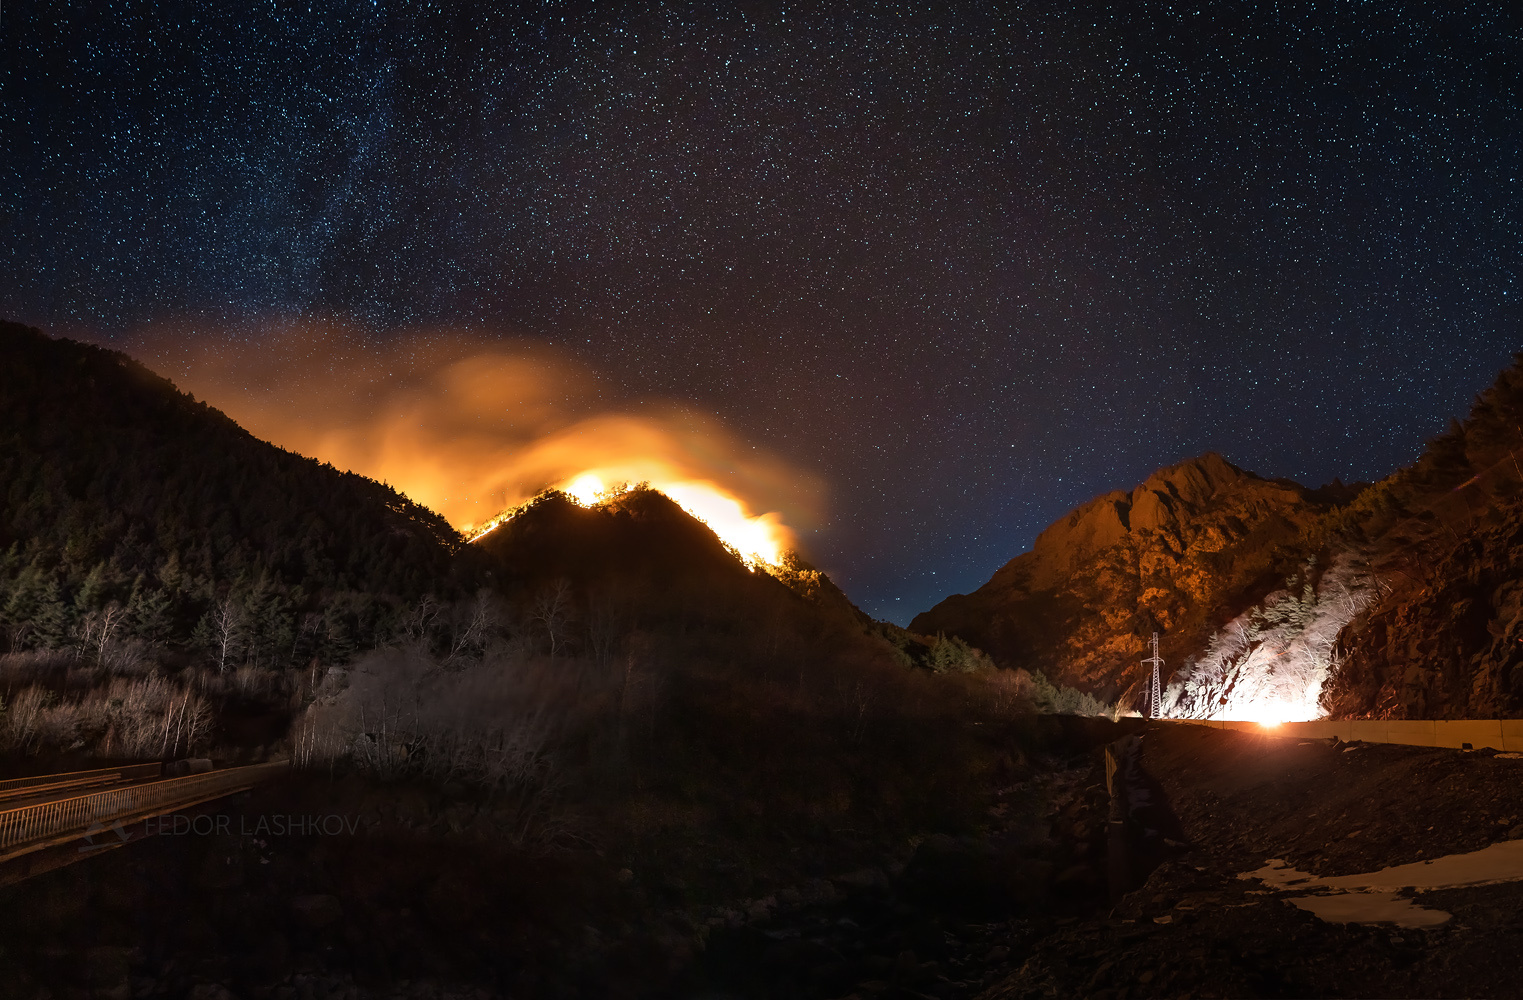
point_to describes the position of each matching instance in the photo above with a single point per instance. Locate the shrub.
(493, 722)
(146, 717)
(950, 654)
(1058, 699)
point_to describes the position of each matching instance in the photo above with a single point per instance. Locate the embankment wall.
(1498, 734)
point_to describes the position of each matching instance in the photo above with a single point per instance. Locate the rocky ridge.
(1395, 600)
(1180, 553)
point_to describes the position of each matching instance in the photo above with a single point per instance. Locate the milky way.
(969, 268)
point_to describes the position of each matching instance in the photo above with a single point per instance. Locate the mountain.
(640, 538)
(571, 755)
(129, 506)
(117, 491)
(1393, 600)
(1174, 555)
(640, 557)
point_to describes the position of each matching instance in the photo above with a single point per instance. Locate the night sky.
(970, 269)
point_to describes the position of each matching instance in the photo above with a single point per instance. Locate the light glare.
(585, 489)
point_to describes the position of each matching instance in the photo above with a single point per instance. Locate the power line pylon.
(1156, 661)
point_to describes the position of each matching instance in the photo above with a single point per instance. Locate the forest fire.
(471, 429)
(761, 540)
(757, 539)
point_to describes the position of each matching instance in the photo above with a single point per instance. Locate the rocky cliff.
(1404, 599)
(1181, 553)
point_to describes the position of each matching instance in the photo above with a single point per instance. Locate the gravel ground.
(1195, 928)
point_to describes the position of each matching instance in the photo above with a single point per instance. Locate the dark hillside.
(119, 490)
(640, 557)
(1445, 539)
(641, 538)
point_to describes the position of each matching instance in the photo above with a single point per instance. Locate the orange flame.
(760, 540)
(469, 427)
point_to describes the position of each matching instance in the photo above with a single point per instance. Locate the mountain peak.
(1163, 503)
(1161, 556)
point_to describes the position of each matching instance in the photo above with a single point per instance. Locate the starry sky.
(971, 267)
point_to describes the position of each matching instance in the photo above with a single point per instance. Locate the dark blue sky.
(970, 268)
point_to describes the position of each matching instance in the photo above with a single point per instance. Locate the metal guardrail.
(57, 788)
(126, 772)
(30, 827)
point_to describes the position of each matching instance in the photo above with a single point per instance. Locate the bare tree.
(604, 627)
(420, 621)
(185, 723)
(17, 633)
(98, 629)
(857, 699)
(481, 620)
(228, 626)
(552, 611)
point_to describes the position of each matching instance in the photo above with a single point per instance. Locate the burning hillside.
(472, 428)
(758, 540)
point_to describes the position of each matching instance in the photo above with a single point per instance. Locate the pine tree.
(95, 591)
(53, 621)
(152, 613)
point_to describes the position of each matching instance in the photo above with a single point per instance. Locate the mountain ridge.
(1387, 600)
(1165, 556)
(120, 490)
(124, 495)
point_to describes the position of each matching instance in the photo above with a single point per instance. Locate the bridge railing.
(126, 772)
(42, 823)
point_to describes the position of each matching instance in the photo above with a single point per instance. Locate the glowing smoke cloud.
(468, 427)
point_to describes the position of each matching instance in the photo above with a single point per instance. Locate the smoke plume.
(468, 426)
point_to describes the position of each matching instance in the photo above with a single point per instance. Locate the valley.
(598, 750)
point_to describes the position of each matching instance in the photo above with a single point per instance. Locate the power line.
(1156, 661)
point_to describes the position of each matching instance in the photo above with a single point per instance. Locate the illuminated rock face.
(1447, 640)
(1407, 602)
(1183, 553)
(1271, 663)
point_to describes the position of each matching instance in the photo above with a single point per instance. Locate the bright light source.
(1269, 713)
(585, 489)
